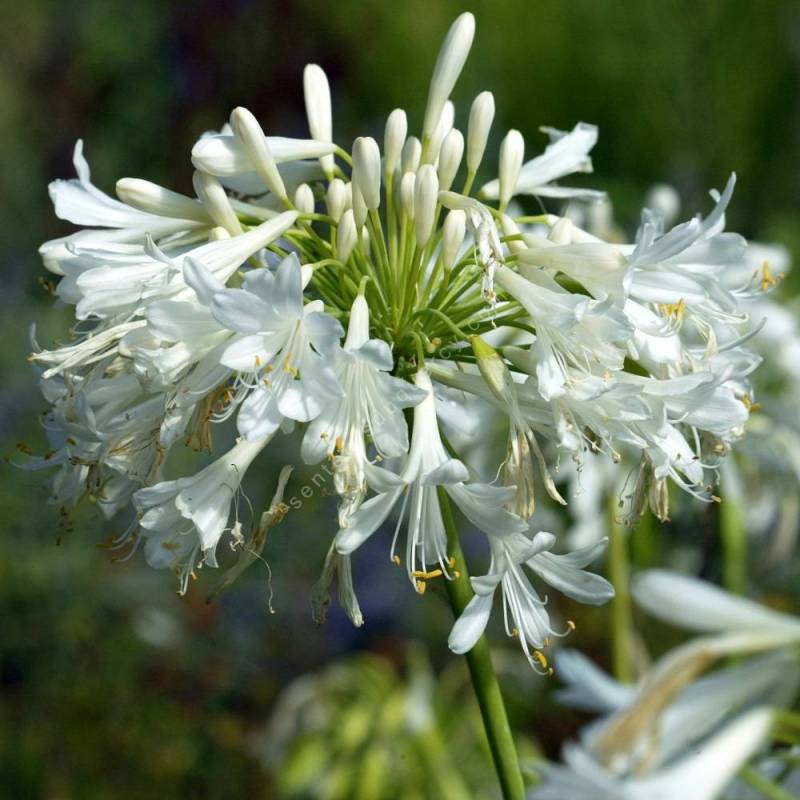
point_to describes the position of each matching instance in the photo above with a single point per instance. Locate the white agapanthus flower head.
(343, 292)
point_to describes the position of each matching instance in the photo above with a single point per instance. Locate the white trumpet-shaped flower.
(427, 467)
(524, 611)
(371, 403)
(282, 350)
(183, 520)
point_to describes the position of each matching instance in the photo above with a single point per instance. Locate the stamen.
(436, 573)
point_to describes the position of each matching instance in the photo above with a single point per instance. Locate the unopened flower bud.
(450, 158)
(407, 185)
(448, 67)
(481, 116)
(437, 137)
(155, 199)
(426, 194)
(512, 152)
(393, 140)
(215, 201)
(359, 206)
(346, 236)
(336, 199)
(318, 110)
(304, 199)
(493, 369)
(246, 128)
(412, 152)
(453, 232)
(367, 170)
(510, 228)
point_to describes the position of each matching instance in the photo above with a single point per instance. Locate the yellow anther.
(540, 657)
(768, 280)
(546, 642)
(451, 562)
(169, 545)
(293, 371)
(456, 573)
(258, 361)
(749, 404)
(427, 575)
(396, 560)
(421, 586)
(338, 447)
(193, 575)
(571, 625)
(674, 310)
(515, 632)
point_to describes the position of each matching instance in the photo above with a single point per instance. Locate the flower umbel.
(348, 292)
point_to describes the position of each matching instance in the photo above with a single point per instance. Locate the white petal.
(469, 627)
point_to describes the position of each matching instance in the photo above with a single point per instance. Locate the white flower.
(79, 201)
(282, 350)
(702, 773)
(183, 520)
(428, 466)
(524, 611)
(371, 401)
(108, 283)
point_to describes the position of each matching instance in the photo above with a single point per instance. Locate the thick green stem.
(621, 609)
(484, 680)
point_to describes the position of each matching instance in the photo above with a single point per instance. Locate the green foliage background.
(112, 687)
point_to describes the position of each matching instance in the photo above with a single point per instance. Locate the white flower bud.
(450, 158)
(512, 153)
(393, 140)
(359, 206)
(510, 228)
(336, 198)
(412, 153)
(481, 116)
(367, 170)
(318, 110)
(156, 199)
(304, 199)
(215, 201)
(426, 194)
(246, 128)
(453, 232)
(452, 56)
(407, 185)
(346, 236)
(442, 129)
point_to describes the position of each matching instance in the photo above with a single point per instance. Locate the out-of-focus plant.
(362, 728)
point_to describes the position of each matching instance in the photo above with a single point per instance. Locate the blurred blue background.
(114, 687)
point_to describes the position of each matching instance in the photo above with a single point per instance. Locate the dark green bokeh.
(112, 686)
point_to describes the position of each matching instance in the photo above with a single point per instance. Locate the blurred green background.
(112, 686)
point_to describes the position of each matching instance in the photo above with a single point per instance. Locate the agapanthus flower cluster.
(353, 292)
